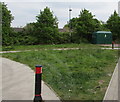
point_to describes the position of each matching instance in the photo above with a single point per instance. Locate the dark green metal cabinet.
(102, 37)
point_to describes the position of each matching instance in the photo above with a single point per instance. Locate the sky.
(25, 11)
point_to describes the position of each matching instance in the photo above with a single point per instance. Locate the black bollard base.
(38, 99)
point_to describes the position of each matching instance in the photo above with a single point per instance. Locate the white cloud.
(59, 0)
(26, 12)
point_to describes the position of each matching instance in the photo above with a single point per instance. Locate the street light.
(70, 10)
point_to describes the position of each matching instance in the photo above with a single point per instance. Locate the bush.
(64, 37)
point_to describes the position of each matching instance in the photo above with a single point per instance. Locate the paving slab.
(18, 82)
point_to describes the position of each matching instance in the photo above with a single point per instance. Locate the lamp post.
(70, 10)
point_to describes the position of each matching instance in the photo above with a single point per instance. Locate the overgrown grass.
(39, 47)
(73, 74)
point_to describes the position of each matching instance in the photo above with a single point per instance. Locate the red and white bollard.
(38, 78)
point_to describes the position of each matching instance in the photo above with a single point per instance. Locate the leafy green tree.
(103, 26)
(27, 35)
(29, 28)
(6, 23)
(86, 25)
(46, 27)
(83, 26)
(73, 23)
(113, 23)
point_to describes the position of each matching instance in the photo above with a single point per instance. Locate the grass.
(81, 74)
(41, 47)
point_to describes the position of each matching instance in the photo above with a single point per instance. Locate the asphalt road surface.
(18, 82)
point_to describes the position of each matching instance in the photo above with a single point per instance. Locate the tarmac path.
(18, 82)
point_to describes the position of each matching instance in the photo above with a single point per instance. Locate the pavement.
(113, 91)
(18, 82)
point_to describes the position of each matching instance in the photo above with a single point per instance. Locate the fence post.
(38, 78)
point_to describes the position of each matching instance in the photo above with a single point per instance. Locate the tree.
(73, 23)
(27, 34)
(113, 23)
(6, 23)
(86, 25)
(103, 26)
(46, 27)
(83, 26)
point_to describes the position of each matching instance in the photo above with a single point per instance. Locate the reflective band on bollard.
(38, 78)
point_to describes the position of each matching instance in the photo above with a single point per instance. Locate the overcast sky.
(25, 11)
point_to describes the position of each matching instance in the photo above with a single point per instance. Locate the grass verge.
(81, 74)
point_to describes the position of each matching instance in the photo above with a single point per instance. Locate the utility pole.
(70, 10)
